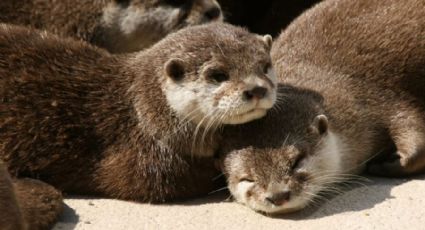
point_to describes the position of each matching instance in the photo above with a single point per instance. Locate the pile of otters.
(151, 100)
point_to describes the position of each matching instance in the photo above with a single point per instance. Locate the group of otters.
(283, 121)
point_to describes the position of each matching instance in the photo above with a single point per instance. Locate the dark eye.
(297, 161)
(246, 179)
(267, 67)
(302, 176)
(218, 76)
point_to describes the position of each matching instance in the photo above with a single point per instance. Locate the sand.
(380, 203)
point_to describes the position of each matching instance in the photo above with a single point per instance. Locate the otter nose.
(257, 92)
(279, 198)
(213, 13)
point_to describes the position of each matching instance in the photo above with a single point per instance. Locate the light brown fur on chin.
(106, 23)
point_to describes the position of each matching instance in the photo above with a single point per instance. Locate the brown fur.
(269, 151)
(362, 64)
(27, 203)
(86, 19)
(71, 109)
(368, 61)
(11, 216)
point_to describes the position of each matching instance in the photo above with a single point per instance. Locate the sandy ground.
(379, 204)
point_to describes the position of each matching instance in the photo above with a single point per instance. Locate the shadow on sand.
(67, 220)
(356, 198)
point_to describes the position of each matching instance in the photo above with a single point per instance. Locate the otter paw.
(393, 166)
(39, 202)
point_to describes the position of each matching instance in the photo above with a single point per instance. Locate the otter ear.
(268, 40)
(174, 69)
(320, 124)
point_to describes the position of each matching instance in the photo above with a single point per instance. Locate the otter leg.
(11, 216)
(408, 134)
(40, 203)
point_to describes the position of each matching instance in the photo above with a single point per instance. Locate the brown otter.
(130, 126)
(27, 203)
(356, 77)
(117, 25)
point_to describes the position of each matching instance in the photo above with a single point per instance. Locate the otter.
(117, 25)
(27, 203)
(351, 88)
(142, 126)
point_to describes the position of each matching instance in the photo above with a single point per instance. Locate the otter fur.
(352, 81)
(117, 25)
(27, 203)
(139, 126)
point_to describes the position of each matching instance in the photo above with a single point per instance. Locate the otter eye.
(218, 76)
(267, 67)
(297, 161)
(245, 179)
(302, 176)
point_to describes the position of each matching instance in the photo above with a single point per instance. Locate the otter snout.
(257, 92)
(210, 10)
(213, 13)
(279, 198)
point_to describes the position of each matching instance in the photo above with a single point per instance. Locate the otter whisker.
(367, 160)
(218, 176)
(211, 123)
(218, 190)
(184, 122)
(195, 135)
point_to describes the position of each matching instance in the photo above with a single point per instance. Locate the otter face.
(287, 178)
(133, 25)
(230, 81)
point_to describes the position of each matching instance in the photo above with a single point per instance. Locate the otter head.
(218, 74)
(280, 163)
(132, 25)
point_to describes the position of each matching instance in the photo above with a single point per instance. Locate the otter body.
(352, 88)
(129, 126)
(27, 203)
(118, 26)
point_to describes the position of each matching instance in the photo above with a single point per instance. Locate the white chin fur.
(240, 194)
(245, 117)
(292, 206)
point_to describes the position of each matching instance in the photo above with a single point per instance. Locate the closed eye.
(267, 67)
(297, 161)
(246, 179)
